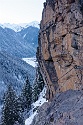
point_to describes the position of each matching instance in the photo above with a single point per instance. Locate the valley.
(14, 50)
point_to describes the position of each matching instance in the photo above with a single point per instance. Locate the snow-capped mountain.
(19, 40)
(14, 27)
(33, 24)
(14, 44)
(13, 47)
(19, 27)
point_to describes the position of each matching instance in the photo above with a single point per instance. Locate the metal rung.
(78, 67)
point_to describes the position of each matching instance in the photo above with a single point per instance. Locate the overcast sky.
(20, 11)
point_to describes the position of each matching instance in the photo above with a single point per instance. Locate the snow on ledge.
(30, 119)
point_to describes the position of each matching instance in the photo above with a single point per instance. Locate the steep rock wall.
(65, 109)
(60, 50)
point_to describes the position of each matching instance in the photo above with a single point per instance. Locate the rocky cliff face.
(65, 109)
(60, 51)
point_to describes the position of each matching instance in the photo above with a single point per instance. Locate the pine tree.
(38, 85)
(10, 113)
(26, 96)
(35, 92)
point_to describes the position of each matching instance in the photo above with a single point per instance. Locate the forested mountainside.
(14, 71)
(60, 58)
(14, 44)
(30, 34)
(13, 47)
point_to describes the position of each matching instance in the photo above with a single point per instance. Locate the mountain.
(33, 24)
(19, 27)
(14, 27)
(14, 44)
(19, 40)
(14, 47)
(14, 71)
(30, 34)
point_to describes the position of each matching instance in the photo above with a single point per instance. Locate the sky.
(20, 11)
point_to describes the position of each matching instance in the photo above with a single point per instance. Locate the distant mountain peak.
(33, 24)
(19, 27)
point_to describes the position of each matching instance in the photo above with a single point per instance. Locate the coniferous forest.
(16, 107)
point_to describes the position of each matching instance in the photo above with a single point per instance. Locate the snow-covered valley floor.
(31, 61)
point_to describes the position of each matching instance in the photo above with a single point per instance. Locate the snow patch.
(24, 36)
(41, 99)
(30, 119)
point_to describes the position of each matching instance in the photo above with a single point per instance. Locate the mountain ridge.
(13, 43)
(20, 26)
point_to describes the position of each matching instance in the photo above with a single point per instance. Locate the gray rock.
(65, 109)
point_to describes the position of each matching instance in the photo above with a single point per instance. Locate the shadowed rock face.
(65, 109)
(60, 50)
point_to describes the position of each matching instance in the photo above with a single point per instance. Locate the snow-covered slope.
(19, 27)
(35, 106)
(33, 24)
